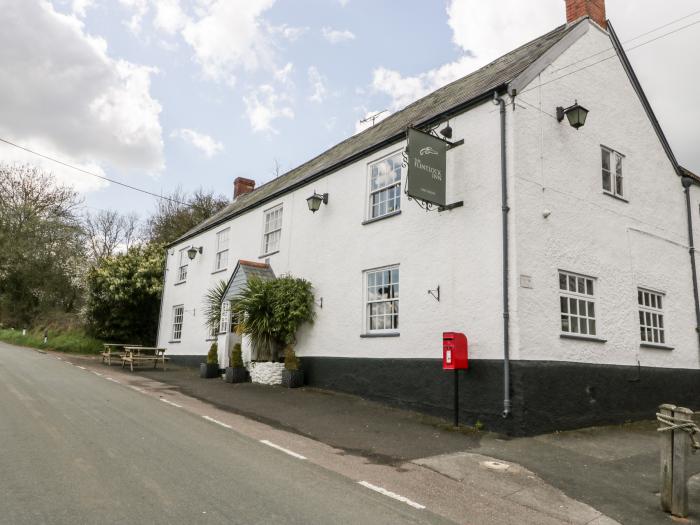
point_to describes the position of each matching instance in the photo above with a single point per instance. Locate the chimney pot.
(241, 186)
(595, 9)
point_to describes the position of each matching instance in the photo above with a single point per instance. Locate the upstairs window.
(178, 314)
(613, 182)
(182, 266)
(577, 304)
(385, 186)
(221, 261)
(382, 299)
(651, 317)
(272, 231)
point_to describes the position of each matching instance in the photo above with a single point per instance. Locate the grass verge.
(72, 341)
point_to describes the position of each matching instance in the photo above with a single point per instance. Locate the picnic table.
(143, 355)
(115, 350)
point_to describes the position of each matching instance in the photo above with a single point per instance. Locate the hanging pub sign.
(427, 161)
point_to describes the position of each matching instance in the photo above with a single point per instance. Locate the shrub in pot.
(236, 373)
(292, 375)
(211, 367)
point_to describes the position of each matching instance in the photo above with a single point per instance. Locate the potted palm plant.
(211, 367)
(236, 373)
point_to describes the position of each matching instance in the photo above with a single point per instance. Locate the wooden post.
(681, 451)
(666, 459)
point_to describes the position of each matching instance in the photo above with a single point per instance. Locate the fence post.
(666, 460)
(681, 451)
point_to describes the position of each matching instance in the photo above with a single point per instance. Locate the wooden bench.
(115, 350)
(138, 355)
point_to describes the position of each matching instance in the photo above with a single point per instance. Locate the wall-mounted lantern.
(315, 201)
(575, 114)
(446, 131)
(192, 252)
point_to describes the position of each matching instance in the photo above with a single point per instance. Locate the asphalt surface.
(78, 448)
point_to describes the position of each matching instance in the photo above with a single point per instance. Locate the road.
(78, 448)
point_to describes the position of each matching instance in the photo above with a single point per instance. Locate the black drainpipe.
(504, 217)
(687, 182)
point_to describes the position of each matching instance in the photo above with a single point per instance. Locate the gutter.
(504, 219)
(687, 183)
(436, 119)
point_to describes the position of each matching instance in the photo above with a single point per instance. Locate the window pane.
(606, 159)
(591, 309)
(581, 285)
(607, 185)
(573, 303)
(574, 325)
(618, 185)
(564, 305)
(658, 302)
(591, 326)
(562, 281)
(639, 297)
(582, 307)
(584, 327)
(564, 323)
(572, 283)
(618, 165)
(662, 338)
(589, 286)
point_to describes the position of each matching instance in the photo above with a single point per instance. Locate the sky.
(165, 94)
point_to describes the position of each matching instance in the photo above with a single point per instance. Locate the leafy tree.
(173, 219)
(41, 249)
(123, 296)
(107, 231)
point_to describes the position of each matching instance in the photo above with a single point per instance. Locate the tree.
(107, 232)
(123, 295)
(172, 219)
(41, 249)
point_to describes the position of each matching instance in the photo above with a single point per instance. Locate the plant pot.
(209, 370)
(236, 375)
(292, 378)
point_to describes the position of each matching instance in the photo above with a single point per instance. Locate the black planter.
(292, 378)
(207, 370)
(236, 375)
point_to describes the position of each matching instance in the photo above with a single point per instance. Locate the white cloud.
(264, 105)
(73, 100)
(139, 9)
(204, 143)
(318, 85)
(282, 74)
(343, 3)
(80, 7)
(291, 33)
(229, 35)
(169, 17)
(335, 36)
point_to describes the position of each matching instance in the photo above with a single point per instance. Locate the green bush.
(213, 355)
(74, 341)
(291, 361)
(237, 356)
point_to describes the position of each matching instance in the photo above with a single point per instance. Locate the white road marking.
(392, 495)
(170, 403)
(112, 380)
(282, 449)
(137, 388)
(81, 367)
(97, 373)
(217, 422)
(59, 358)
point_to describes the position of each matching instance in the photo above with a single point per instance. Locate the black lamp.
(192, 252)
(575, 114)
(315, 201)
(446, 131)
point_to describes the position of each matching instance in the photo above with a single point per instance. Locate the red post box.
(454, 351)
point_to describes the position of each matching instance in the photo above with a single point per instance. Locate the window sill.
(375, 219)
(174, 342)
(380, 334)
(610, 194)
(210, 339)
(180, 282)
(219, 270)
(656, 346)
(267, 254)
(577, 337)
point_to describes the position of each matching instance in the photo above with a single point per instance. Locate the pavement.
(594, 476)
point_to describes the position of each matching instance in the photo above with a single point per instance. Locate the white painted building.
(601, 320)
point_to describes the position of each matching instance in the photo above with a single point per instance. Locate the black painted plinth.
(546, 395)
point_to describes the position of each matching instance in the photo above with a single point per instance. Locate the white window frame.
(182, 269)
(572, 302)
(652, 326)
(615, 160)
(178, 321)
(393, 186)
(225, 319)
(221, 258)
(393, 299)
(271, 228)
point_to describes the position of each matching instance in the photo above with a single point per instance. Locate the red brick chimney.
(241, 186)
(595, 9)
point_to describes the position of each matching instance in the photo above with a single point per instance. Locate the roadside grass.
(70, 341)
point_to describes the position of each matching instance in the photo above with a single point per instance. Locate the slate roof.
(431, 109)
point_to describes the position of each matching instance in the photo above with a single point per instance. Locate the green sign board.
(427, 160)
